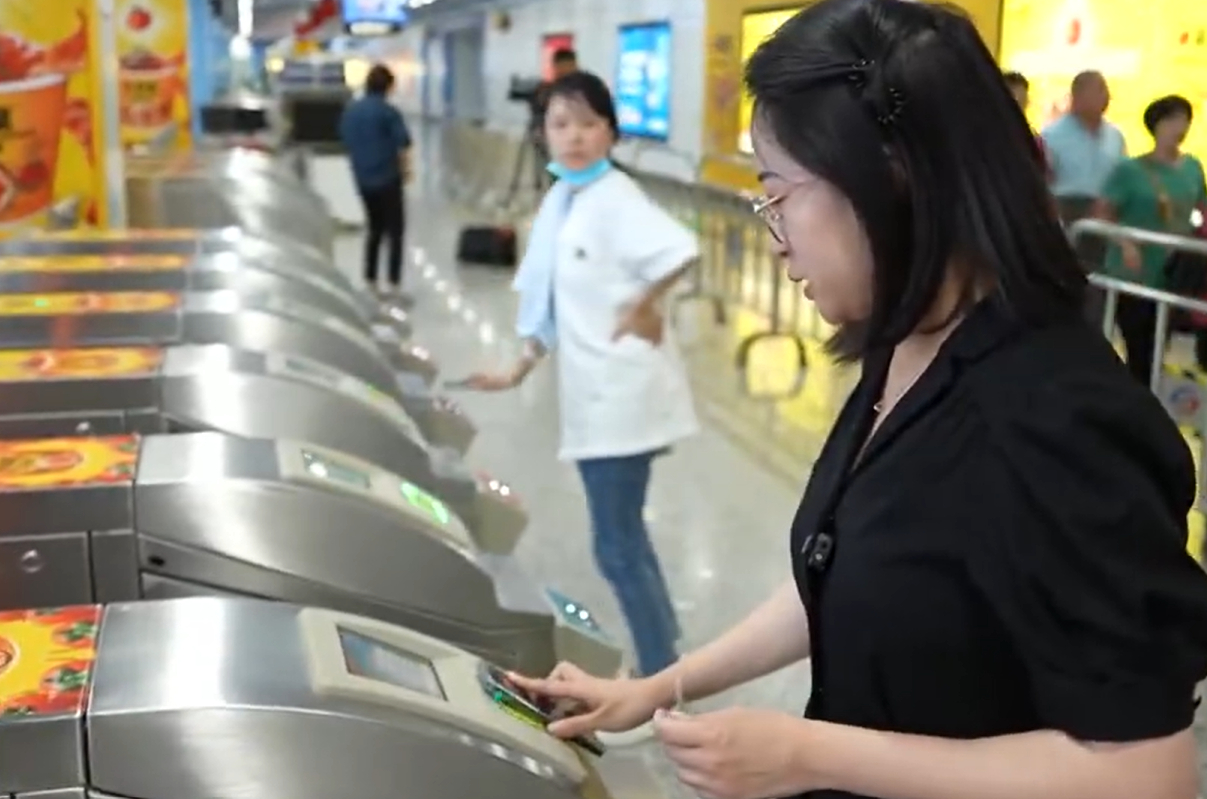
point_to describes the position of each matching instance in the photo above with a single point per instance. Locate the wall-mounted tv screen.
(757, 26)
(643, 80)
(375, 17)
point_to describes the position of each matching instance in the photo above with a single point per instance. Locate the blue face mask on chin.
(580, 177)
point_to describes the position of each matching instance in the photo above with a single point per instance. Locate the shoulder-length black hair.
(900, 106)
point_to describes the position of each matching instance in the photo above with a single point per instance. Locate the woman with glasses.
(988, 566)
(601, 258)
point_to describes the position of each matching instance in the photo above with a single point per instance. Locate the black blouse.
(1009, 552)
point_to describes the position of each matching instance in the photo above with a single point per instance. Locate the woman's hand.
(641, 319)
(1131, 255)
(739, 753)
(592, 703)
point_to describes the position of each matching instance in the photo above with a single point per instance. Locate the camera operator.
(565, 62)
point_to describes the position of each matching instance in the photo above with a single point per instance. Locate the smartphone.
(542, 710)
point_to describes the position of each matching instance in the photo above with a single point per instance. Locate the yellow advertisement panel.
(63, 462)
(1145, 50)
(160, 262)
(46, 660)
(757, 26)
(152, 50)
(76, 364)
(735, 29)
(50, 113)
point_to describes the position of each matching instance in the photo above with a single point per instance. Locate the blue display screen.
(367, 17)
(643, 81)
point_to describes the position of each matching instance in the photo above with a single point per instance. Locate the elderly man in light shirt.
(1083, 148)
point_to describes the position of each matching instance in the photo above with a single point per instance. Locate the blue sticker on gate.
(1185, 401)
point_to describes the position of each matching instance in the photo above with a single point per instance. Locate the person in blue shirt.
(379, 147)
(1083, 148)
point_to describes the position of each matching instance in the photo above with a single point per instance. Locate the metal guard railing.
(739, 272)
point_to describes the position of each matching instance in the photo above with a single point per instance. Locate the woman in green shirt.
(1155, 191)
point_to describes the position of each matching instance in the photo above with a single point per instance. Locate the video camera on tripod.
(529, 91)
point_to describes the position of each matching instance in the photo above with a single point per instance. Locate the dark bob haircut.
(589, 88)
(1163, 108)
(900, 106)
(565, 55)
(1018, 79)
(379, 80)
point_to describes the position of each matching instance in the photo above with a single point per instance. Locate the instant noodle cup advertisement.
(81, 303)
(152, 48)
(49, 463)
(78, 364)
(46, 659)
(49, 110)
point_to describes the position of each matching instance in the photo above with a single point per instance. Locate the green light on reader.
(425, 502)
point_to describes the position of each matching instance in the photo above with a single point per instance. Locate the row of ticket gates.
(241, 554)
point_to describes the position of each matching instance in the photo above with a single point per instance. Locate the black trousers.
(1137, 321)
(386, 215)
(1091, 250)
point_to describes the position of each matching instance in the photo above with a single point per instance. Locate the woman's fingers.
(527, 683)
(565, 670)
(554, 687)
(574, 726)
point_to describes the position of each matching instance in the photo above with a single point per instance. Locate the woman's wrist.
(520, 371)
(662, 687)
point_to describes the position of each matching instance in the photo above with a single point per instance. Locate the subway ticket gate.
(263, 278)
(121, 518)
(211, 698)
(109, 391)
(32, 274)
(388, 319)
(267, 323)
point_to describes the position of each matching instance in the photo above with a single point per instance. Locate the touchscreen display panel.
(328, 469)
(425, 503)
(374, 660)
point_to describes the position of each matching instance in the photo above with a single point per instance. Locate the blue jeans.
(616, 490)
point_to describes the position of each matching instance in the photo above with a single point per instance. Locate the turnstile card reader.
(104, 391)
(120, 518)
(212, 698)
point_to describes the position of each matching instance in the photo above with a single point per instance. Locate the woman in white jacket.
(601, 258)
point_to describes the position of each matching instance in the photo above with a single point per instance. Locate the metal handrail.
(1115, 287)
(1113, 231)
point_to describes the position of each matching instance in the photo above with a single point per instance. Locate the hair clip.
(896, 102)
(857, 73)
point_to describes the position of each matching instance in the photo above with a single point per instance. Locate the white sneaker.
(633, 737)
